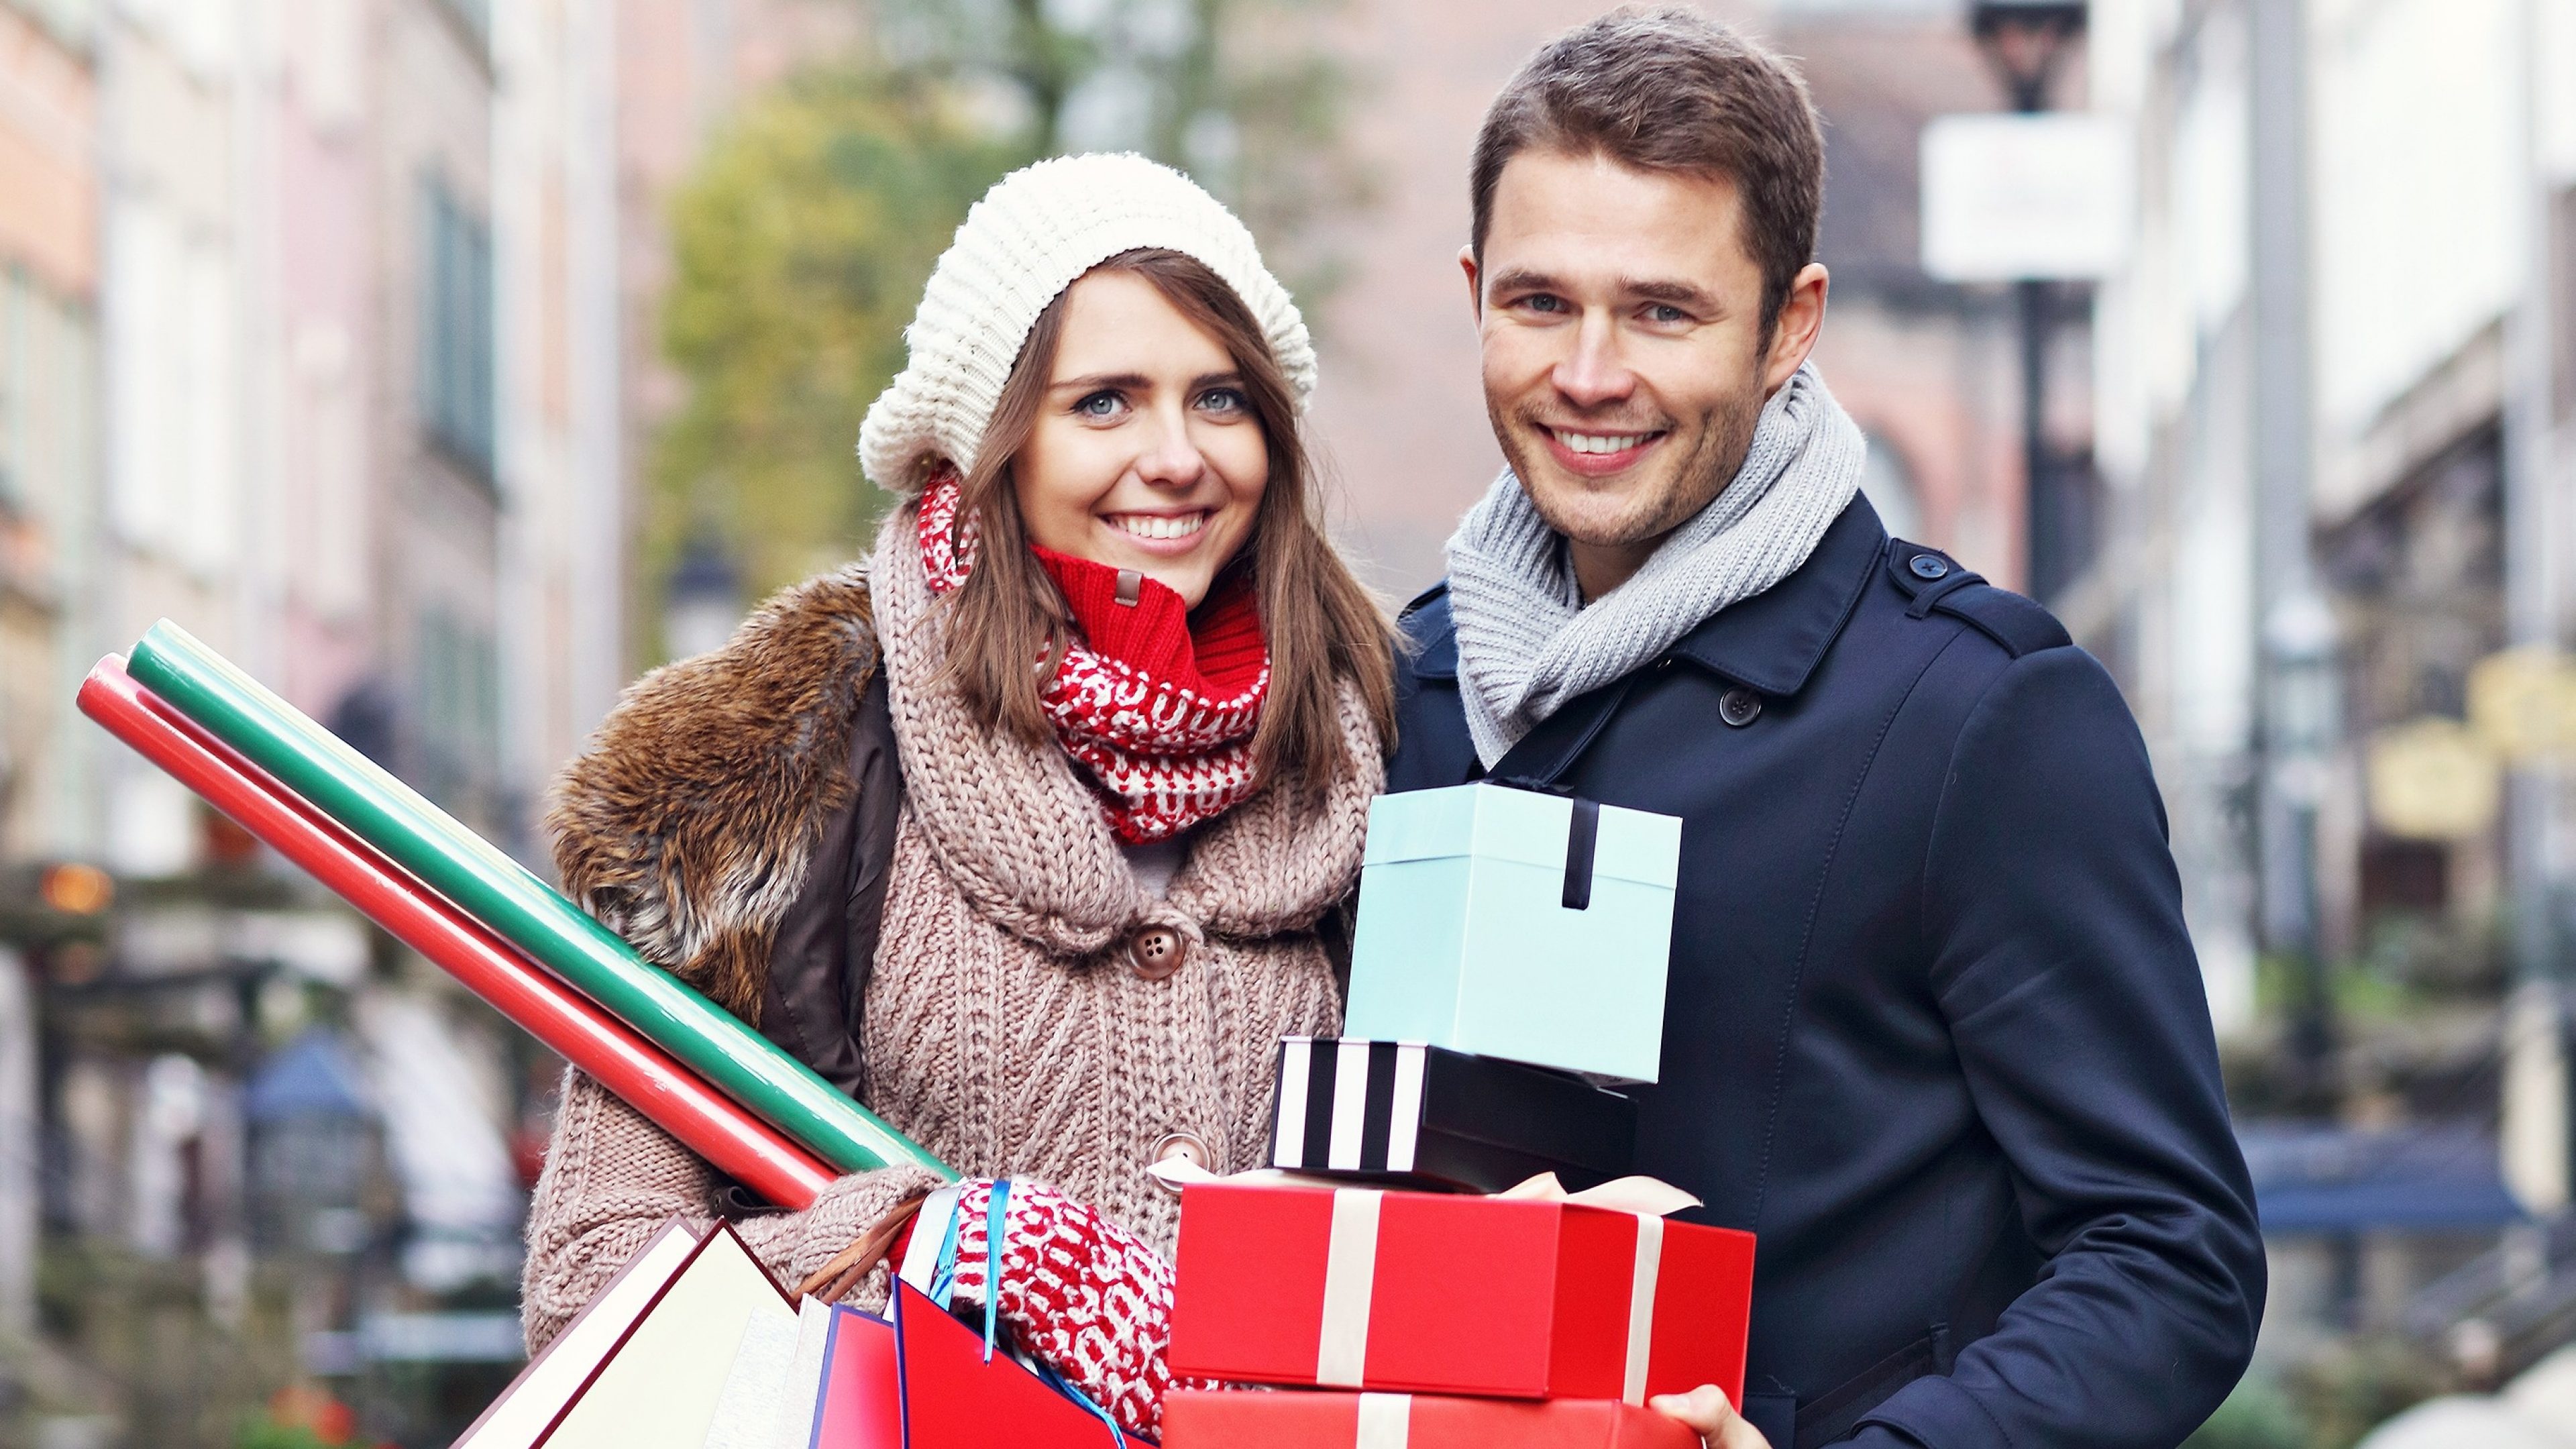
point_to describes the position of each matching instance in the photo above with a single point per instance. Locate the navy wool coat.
(1935, 1031)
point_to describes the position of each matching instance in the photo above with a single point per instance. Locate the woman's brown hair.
(1321, 625)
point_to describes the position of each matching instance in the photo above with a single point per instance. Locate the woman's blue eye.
(1099, 404)
(1224, 400)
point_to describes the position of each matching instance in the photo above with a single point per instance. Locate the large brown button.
(1181, 1147)
(1154, 952)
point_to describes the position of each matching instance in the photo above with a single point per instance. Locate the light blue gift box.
(1466, 938)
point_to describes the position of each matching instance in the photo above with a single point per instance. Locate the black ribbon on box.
(1410, 1114)
(1582, 833)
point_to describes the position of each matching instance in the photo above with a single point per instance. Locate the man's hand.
(1705, 1408)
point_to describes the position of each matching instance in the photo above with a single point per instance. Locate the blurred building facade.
(310, 341)
(682, 65)
(2326, 370)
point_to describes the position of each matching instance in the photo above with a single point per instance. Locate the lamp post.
(2024, 43)
(2301, 717)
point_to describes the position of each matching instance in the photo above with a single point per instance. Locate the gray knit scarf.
(1527, 642)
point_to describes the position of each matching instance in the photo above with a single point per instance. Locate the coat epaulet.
(2022, 626)
(1937, 584)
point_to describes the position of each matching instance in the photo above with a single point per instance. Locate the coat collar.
(1769, 643)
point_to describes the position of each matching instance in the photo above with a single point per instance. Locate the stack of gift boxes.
(1412, 1285)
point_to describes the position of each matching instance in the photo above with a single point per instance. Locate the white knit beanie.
(1033, 235)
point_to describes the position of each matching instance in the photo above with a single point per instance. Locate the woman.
(1023, 830)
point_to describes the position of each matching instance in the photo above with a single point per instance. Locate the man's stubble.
(1723, 437)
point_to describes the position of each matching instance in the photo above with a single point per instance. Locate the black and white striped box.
(1408, 1113)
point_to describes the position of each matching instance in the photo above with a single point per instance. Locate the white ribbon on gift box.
(1386, 1421)
(1350, 1263)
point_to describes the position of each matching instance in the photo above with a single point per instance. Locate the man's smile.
(1597, 454)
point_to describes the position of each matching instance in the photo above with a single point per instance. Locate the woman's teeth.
(1153, 525)
(1602, 442)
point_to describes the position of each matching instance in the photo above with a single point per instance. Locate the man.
(1934, 1029)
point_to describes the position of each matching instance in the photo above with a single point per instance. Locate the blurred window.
(73, 22)
(477, 15)
(46, 444)
(460, 707)
(456, 331)
(14, 304)
(1889, 486)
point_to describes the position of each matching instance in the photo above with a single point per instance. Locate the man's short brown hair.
(1672, 90)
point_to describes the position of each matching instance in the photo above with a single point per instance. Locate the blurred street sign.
(2432, 779)
(2011, 198)
(2522, 702)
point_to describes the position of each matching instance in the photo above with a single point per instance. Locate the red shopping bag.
(861, 1403)
(954, 1397)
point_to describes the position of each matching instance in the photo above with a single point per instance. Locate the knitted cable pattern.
(1527, 642)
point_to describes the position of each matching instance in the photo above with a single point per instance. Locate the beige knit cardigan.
(1003, 1029)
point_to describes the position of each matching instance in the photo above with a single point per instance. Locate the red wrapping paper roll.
(737, 1143)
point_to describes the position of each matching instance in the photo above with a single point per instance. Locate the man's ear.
(1802, 319)
(1475, 283)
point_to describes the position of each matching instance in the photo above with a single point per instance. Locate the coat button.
(1154, 952)
(1181, 1147)
(1929, 566)
(1739, 707)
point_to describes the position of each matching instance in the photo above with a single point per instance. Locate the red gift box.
(1313, 1419)
(1426, 1292)
(955, 1398)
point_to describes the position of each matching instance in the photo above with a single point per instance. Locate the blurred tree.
(1241, 94)
(804, 236)
(801, 243)
(2257, 1415)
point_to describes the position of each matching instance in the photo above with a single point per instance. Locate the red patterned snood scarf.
(1159, 712)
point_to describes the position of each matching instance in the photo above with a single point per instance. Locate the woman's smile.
(1174, 532)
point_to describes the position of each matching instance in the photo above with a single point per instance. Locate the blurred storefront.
(2315, 380)
(309, 340)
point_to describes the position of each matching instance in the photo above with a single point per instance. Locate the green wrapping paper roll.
(515, 904)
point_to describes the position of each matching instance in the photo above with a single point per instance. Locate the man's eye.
(1543, 302)
(1665, 313)
(1102, 404)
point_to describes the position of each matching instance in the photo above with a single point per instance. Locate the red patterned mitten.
(1080, 1294)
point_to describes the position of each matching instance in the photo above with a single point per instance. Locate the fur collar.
(688, 826)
